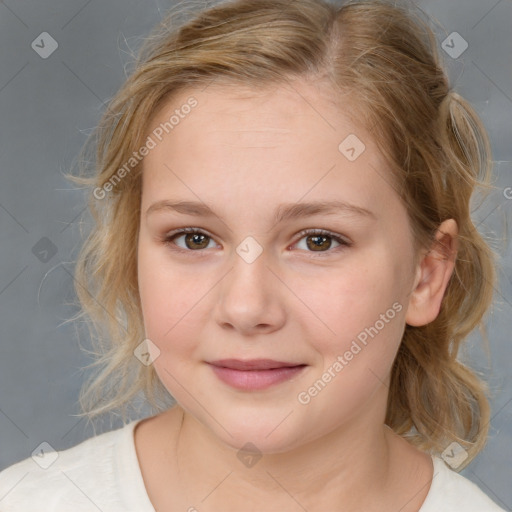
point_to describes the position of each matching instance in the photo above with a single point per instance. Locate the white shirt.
(103, 474)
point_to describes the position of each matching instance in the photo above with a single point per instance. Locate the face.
(263, 276)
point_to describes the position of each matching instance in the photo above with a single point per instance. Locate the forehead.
(282, 140)
(270, 106)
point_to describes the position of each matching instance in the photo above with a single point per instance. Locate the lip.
(252, 364)
(254, 374)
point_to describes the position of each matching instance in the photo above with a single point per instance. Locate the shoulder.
(72, 479)
(451, 492)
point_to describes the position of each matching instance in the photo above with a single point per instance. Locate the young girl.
(283, 245)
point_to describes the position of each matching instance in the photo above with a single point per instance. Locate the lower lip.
(255, 379)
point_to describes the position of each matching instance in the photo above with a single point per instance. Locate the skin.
(244, 152)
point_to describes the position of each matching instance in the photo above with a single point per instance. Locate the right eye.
(193, 239)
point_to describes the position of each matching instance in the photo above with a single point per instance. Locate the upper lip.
(253, 364)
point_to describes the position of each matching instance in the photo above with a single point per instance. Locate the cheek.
(364, 310)
(168, 297)
(362, 322)
(170, 319)
(341, 303)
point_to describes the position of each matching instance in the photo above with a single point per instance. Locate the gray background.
(48, 106)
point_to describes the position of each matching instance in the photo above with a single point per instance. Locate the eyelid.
(168, 237)
(342, 240)
(319, 231)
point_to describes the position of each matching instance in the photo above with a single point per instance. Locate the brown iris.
(196, 238)
(319, 242)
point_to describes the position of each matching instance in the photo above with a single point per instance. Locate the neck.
(349, 466)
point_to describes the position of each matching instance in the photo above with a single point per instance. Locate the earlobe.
(433, 275)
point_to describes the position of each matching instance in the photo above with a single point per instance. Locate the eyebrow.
(286, 211)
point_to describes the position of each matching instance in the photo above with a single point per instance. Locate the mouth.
(254, 374)
(253, 364)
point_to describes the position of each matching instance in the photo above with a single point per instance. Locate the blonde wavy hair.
(386, 57)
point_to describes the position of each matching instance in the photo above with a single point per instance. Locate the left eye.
(317, 240)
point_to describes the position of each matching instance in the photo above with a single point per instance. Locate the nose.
(250, 298)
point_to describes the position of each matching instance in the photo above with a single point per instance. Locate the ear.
(432, 276)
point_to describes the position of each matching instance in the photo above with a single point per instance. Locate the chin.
(267, 432)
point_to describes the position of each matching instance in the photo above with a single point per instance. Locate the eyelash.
(168, 240)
